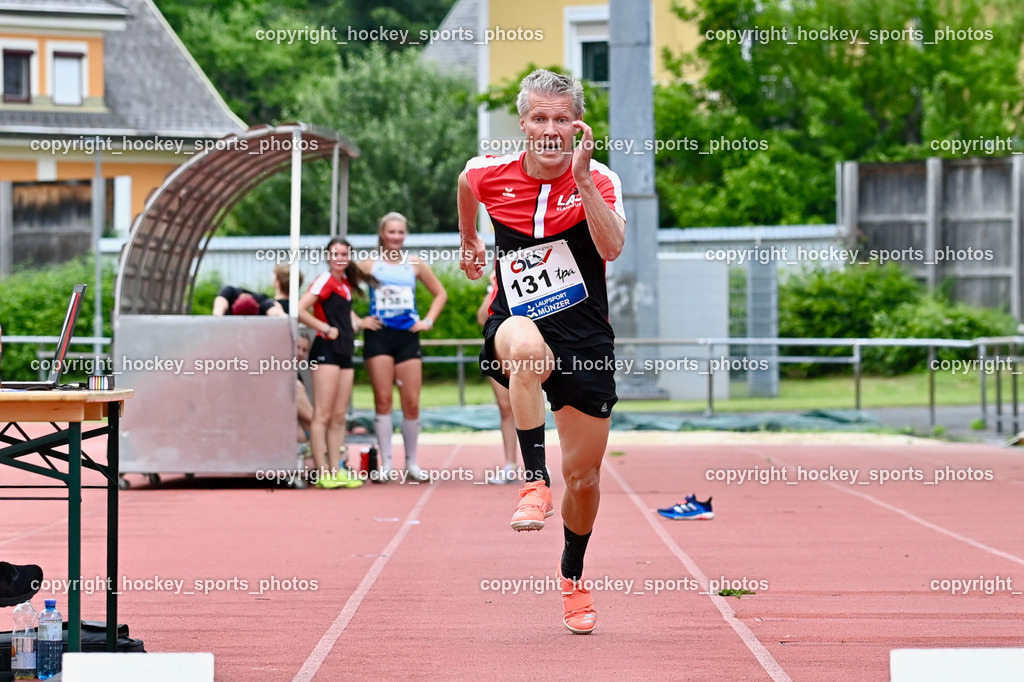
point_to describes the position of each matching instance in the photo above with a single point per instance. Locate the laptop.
(66, 332)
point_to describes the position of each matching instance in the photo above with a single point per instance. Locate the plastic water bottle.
(23, 642)
(50, 641)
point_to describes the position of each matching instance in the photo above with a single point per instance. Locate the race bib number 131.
(542, 280)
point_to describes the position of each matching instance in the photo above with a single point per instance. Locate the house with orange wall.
(96, 79)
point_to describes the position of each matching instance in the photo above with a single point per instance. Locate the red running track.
(404, 581)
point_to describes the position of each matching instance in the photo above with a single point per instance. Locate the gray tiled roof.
(457, 57)
(153, 87)
(63, 6)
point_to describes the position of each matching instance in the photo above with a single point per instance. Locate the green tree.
(418, 18)
(933, 317)
(807, 103)
(257, 78)
(415, 127)
(267, 209)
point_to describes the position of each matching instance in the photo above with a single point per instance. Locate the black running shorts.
(323, 353)
(583, 378)
(400, 344)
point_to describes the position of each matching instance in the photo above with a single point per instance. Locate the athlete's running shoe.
(534, 506)
(327, 481)
(692, 508)
(417, 474)
(579, 614)
(347, 479)
(505, 475)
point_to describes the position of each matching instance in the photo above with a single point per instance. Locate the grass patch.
(434, 394)
(734, 593)
(838, 393)
(909, 390)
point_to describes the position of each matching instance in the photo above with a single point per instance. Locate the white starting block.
(156, 667)
(956, 665)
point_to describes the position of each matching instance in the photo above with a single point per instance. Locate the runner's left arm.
(607, 228)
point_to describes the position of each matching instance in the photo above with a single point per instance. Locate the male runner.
(558, 217)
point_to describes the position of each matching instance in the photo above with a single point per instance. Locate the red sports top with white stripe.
(334, 301)
(548, 267)
(334, 306)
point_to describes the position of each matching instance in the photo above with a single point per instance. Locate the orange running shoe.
(580, 616)
(534, 506)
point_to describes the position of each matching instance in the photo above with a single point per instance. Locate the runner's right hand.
(474, 256)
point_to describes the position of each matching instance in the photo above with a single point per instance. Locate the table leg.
(74, 535)
(113, 467)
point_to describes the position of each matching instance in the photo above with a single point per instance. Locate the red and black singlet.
(334, 306)
(547, 266)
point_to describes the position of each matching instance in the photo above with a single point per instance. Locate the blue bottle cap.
(50, 603)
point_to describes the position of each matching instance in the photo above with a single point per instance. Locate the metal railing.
(1011, 343)
(984, 346)
(855, 359)
(45, 345)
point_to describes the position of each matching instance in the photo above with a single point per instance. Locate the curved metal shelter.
(157, 270)
(182, 367)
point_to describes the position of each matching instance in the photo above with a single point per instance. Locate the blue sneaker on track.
(690, 509)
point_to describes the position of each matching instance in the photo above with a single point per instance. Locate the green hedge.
(931, 317)
(839, 303)
(206, 289)
(872, 301)
(856, 301)
(33, 302)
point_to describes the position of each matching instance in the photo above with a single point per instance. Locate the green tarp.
(485, 418)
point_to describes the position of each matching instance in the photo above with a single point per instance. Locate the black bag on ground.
(94, 638)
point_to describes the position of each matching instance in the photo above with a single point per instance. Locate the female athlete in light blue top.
(391, 348)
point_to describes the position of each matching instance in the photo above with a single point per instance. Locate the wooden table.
(66, 410)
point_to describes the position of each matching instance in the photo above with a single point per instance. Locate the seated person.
(18, 583)
(302, 403)
(237, 301)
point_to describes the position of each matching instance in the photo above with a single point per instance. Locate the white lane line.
(938, 529)
(767, 661)
(60, 523)
(319, 654)
(917, 519)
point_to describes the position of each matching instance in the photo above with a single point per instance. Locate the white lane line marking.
(767, 661)
(917, 519)
(319, 654)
